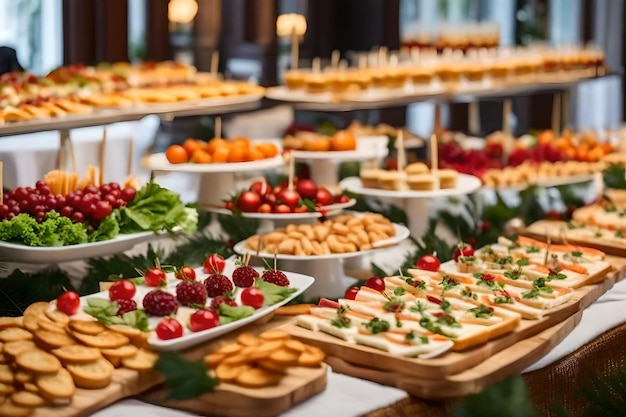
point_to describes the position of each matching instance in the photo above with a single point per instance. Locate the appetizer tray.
(159, 162)
(465, 185)
(559, 232)
(455, 374)
(11, 252)
(329, 210)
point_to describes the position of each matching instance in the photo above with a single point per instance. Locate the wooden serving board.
(452, 363)
(542, 228)
(233, 401)
(509, 361)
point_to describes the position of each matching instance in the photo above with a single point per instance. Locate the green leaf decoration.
(193, 250)
(228, 314)
(606, 396)
(615, 176)
(19, 289)
(184, 379)
(507, 398)
(273, 293)
(238, 228)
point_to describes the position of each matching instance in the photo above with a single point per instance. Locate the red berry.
(68, 302)
(122, 290)
(276, 277)
(125, 306)
(249, 201)
(463, 249)
(244, 276)
(128, 194)
(323, 197)
(222, 299)
(169, 328)
(190, 293)
(155, 276)
(351, 293)
(252, 297)
(218, 284)
(185, 272)
(376, 283)
(307, 188)
(429, 263)
(203, 320)
(289, 198)
(214, 264)
(160, 303)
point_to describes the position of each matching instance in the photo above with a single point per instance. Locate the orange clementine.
(200, 156)
(320, 144)
(343, 141)
(237, 154)
(216, 143)
(255, 154)
(221, 154)
(240, 143)
(269, 149)
(176, 154)
(191, 145)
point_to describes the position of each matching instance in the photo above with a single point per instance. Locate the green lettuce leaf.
(228, 314)
(108, 229)
(273, 293)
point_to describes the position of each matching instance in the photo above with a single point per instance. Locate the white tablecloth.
(26, 158)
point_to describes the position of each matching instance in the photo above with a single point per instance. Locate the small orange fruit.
(192, 145)
(269, 149)
(343, 141)
(221, 154)
(240, 143)
(320, 144)
(200, 156)
(237, 154)
(176, 154)
(215, 143)
(255, 154)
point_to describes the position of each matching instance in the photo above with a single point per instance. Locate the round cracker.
(230, 349)
(57, 316)
(126, 351)
(6, 375)
(31, 387)
(144, 360)
(248, 339)
(56, 386)
(27, 399)
(6, 389)
(258, 378)
(52, 327)
(274, 335)
(23, 377)
(50, 340)
(36, 308)
(31, 323)
(92, 375)
(88, 327)
(14, 333)
(9, 409)
(3, 359)
(311, 357)
(229, 373)
(6, 322)
(105, 340)
(13, 349)
(38, 362)
(76, 354)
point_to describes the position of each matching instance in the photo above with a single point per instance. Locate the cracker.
(266, 349)
(213, 359)
(27, 399)
(274, 335)
(49, 326)
(271, 365)
(295, 345)
(6, 374)
(115, 356)
(229, 373)
(88, 327)
(76, 354)
(238, 359)
(248, 339)
(56, 386)
(13, 349)
(258, 378)
(3, 359)
(23, 377)
(285, 357)
(6, 389)
(10, 409)
(230, 349)
(30, 323)
(144, 360)
(50, 340)
(311, 357)
(36, 308)
(92, 375)
(57, 316)
(6, 322)
(294, 310)
(105, 340)
(15, 333)
(38, 362)
(136, 336)
(31, 387)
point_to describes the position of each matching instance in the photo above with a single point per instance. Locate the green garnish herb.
(377, 325)
(481, 312)
(448, 283)
(447, 320)
(523, 262)
(577, 254)
(514, 274)
(489, 281)
(342, 321)
(534, 293)
(445, 305)
(394, 305)
(532, 249)
(418, 307)
(399, 291)
(467, 292)
(502, 297)
(505, 261)
(618, 233)
(417, 283)
(429, 325)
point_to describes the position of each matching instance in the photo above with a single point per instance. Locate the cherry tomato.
(68, 302)
(249, 202)
(429, 263)
(155, 276)
(128, 194)
(203, 320)
(185, 272)
(252, 297)
(323, 197)
(214, 264)
(282, 208)
(169, 328)
(122, 290)
(463, 249)
(260, 187)
(102, 210)
(307, 188)
(375, 283)
(265, 208)
(341, 199)
(351, 293)
(289, 197)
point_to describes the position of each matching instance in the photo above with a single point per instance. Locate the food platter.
(298, 281)
(12, 252)
(329, 210)
(402, 232)
(159, 162)
(465, 184)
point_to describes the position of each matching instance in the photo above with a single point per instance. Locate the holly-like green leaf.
(183, 378)
(228, 314)
(273, 293)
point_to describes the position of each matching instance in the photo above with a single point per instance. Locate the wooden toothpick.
(1, 185)
(103, 145)
(218, 127)
(434, 153)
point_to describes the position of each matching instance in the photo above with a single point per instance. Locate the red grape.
(429, 263)
(128, 194)
(68, 302)
(203, 320)
(101, 210)
(122, 290)
(78, 217)
(252, 297)
(375, 283)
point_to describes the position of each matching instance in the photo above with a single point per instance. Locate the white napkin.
(344, 396)
(603, 315)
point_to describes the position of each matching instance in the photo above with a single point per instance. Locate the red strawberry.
(215, 303)
(218, 284)
(191, 292)
(243, 276)
(275, 276)
(125, 306)
(160, 303)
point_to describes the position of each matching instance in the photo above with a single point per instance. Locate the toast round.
(76, 354)
(38, 362)
(6, 322)
(9, 409)
(12, 349)
(36, 308)
(104, 340)
(56, 386)
(50, 340)
(92, 375)
(27, 399)
(86, 327)
(14, 333)
(144, 360)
